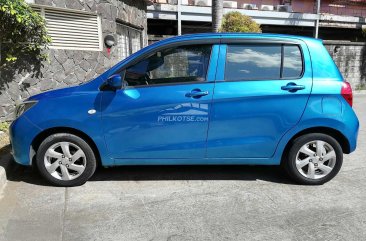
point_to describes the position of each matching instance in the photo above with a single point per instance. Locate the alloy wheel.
(65, 160)
(316, 159)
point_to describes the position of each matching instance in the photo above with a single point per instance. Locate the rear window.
(263, 62)
(292, 61)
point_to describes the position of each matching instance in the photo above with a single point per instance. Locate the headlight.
(23, 107)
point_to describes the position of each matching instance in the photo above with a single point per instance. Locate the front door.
(261, 92)
(163, 112)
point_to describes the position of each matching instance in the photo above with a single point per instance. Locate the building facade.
(342, 23)
(336, 16)
(77, 52)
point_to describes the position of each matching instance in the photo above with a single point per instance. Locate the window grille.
(129, 40)
(72, 29)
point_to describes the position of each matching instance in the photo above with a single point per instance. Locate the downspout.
(317, 18)
(179, 17)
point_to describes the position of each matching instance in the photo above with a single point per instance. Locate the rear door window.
(246, 62)
(263, 62)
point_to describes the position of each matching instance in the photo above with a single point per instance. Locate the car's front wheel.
(314, 159)
(65, 160)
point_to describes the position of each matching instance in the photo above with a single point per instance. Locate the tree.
(23, 32)
(217, 11)
(237, 22)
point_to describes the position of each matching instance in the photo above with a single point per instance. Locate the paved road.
(189, 203)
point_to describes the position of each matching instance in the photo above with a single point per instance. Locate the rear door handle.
(292, 87)
(196, 93)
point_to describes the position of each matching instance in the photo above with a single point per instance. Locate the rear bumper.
(351, 132)
(22, 133)
(350, 127)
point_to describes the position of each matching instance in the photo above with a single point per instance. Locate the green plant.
(361, 86)
(22, 31)
(4, 126)
(237, 22)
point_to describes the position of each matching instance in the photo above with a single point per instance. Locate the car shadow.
(272, 174)
(5, 156)
(19, 173)
(193, 172)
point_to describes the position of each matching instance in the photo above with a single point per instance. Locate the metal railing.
(355, 8)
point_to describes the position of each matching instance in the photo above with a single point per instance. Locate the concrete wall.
(350, 58)
(69, 67)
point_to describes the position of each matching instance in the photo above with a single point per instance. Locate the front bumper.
(22, 133)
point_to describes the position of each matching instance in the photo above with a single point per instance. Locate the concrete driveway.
(189, 203)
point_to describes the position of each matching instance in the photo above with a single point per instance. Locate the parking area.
(189, 203)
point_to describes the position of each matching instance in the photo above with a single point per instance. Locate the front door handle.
(292, 87)
(196, 93)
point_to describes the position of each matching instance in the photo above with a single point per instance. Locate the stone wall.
(70, 67)
(350, 58)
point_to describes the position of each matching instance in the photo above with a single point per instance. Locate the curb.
(2, 178)
(5, 162)
(359, 92)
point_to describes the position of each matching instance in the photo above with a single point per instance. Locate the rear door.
(261, 92)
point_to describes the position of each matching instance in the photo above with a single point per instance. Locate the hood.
(56, 93)
(84, 88)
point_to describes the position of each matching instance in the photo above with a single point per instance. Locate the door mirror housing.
(113, 83)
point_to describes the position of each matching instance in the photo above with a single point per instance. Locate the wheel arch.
(342, 140)
(55, 130)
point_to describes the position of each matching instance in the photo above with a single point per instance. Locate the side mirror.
(113, 83)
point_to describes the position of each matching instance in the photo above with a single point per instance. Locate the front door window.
(171, 66)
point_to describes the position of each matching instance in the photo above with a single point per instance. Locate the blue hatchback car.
(216, 99)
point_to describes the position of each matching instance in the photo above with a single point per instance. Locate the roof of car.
(202, 36)
(211, 38)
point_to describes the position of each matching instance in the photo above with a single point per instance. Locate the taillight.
(346, 92)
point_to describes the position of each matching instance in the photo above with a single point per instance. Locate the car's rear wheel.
(314, 159)
(65, 160)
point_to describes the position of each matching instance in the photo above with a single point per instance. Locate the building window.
(129, 40)
(69, 29)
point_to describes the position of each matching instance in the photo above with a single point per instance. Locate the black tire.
(289, 162)
(90, 165)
